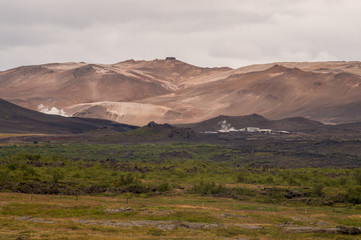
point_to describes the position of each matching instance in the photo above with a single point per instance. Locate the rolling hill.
(254, 120)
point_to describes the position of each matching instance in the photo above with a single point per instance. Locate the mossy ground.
(189, 183)
(66, 211)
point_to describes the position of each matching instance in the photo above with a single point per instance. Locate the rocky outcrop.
(172, 131)
(336, 230)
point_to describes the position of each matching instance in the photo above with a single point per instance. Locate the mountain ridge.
(172, 91)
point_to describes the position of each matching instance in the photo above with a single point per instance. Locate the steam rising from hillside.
(225, 127)
(53, 110)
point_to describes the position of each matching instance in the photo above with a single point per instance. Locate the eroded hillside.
(137, 92)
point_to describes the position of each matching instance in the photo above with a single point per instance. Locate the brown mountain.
(137, 92)
(15, 119)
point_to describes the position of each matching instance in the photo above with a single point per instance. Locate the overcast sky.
(201, 32)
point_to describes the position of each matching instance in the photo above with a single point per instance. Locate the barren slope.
(172, 91)
(65, 84)
(277, 92)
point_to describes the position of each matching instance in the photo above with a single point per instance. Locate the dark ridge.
(255, 120)
(16, 119)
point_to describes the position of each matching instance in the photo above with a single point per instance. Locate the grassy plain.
(169, 191)
(64, 217)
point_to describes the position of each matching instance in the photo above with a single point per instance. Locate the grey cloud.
(201, 32)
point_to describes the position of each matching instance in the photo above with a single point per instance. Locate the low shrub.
(209, 188)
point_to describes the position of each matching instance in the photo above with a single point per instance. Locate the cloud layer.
(202, 32)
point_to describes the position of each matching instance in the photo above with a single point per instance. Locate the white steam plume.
(53, 110)
(225, 127)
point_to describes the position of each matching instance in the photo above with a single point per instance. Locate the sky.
(206, 33)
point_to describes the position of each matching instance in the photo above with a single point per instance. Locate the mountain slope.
(171, 91)
(15, 119)
(277, 92)
(64, 84)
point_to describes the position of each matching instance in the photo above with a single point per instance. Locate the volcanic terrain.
(171, 91)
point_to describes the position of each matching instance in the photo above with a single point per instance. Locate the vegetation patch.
(168, 191)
